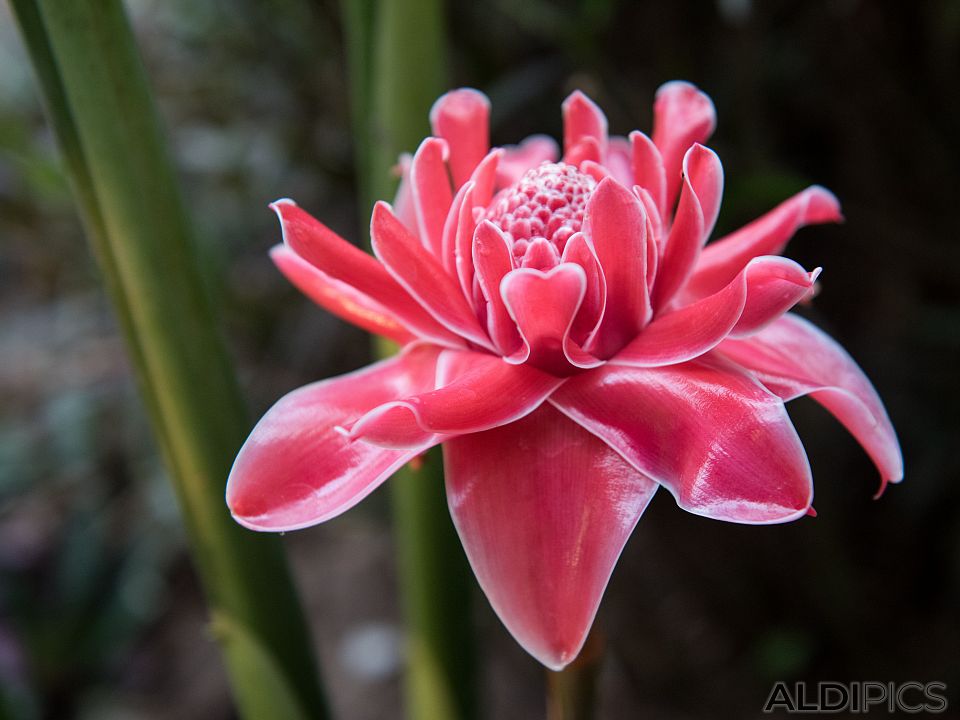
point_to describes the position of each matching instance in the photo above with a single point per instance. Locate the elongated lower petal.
(422, 275)
(767, 235)
(543, 509)
(324, 249)
(682, 116)
(475, 392)
(764, 290)
(719, 441)
(792, 357)
(339, 298)
(462, 118)
(296, 469)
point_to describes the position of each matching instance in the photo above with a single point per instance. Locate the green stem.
(100, 107)
(396, 54)
(571, 693)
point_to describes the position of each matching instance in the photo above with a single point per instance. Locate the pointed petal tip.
(465, 100)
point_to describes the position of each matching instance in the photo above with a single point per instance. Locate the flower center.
(546, 204)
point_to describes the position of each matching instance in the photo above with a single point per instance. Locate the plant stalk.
(571, 693)
(397, 64)
(96, 94)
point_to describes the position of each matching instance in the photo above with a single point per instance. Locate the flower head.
(574, 345)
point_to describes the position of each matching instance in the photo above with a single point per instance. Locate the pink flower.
(574, 346)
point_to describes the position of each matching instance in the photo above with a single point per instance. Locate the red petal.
(403, 206)
(422, 275)
(616, 223)
(587, 150)
(475, 392)
(517, 159)
(648, 170)
(767, 235)
(578, 250)
(543, 510)
(432, 195)
(543, 305)
(582, 119)
(706, 430)
(682, 116)
(324, 249)
(619, 160)
(764, 290)
(296, 470)
(696, 214)
(492, 261)
(792, 358)
(339, 298)
(462, 118)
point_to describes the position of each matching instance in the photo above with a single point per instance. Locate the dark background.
(100, 615)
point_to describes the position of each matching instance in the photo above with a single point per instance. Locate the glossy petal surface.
(543, 509)
(462, 118)
(296, 469)
(475, 391)
(719, 441)
(792, 357)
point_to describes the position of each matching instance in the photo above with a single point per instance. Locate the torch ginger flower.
(572, 342)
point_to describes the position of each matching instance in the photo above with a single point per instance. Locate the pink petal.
(767, 235)
(583, 119)
(296, 470)
(492, 261)
(543, 305)
(793, 358)
(648, 171)
(484, 177)
(543, 510)
(339, 298)
(462, 118)
(432, 195)
(620, 160)
(763, 291)
(458, 221)
(586, 150)
(517, 159)
(422, 275)
(719, 441)
(682, 116)
(324, 249)
(403, 205)
(578, 250)
(475, 392)
(696, 214)
(616, 223)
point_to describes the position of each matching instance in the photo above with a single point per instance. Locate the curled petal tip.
(280, 202)
(811, 512)
(822, 206)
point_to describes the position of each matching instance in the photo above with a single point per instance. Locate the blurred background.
(100, 613)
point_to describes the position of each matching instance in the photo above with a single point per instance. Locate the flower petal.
(341, 299)
(422, 275)
(432, 194)
(616, 223)
(578, 250)
(543, 510)
(462, 118)
(517, 159)
(792, 357)
(767, 235)
(583, 119)
(682, 115)
(543, 305)
(648, 172)
(492, 261)
(296, 470)
(719, 441)
(764, 290)
(475, 392)
(619, 160)
(324, 249)
(696, 215)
